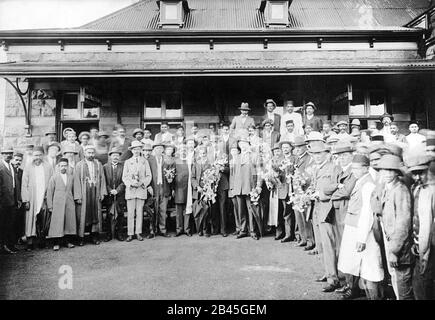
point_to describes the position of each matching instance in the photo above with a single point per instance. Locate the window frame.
(178, 20)
(367, 104)
(268, 16)
(163, 99)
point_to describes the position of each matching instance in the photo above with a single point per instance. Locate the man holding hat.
(89, 190)
(136, 177)
(270, 106)
(9, 201)
(396, 226)
(423, 227)
(33, 193)
(310, 119)
(51, 137)
(115, 199)
(290, 114)
(242, 122)
(270, 136)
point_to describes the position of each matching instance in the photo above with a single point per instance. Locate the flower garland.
(210, 179)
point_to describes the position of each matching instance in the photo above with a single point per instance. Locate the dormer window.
(172, 13)
(275, 12)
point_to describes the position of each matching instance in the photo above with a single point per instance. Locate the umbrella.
(256, 211)
(199, 208)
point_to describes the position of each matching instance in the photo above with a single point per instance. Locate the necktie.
(13, 174)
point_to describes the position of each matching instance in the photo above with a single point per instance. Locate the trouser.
(134, 213)
(183, 219)
(352, 282)
(328, 236)
(304, 226)
(289, 221)
(161, 205)
(423, 280)
(241, 214)
(316, 229)
(281, 228)
(339, 220)
(7, 225)
(372, 289)
(20, 223)
(222, 196)
(236, 214)
(401, 280)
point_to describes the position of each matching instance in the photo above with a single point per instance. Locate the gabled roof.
(245, 15)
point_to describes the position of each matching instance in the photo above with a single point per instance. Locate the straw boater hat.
(289, 121)
(418, 162)
(115, 150)
(158, 144)
(66, 130)
(136, 131)
(84, 133)
(332, 139)
(135, 144)
(54, 144)
(355, 122)
(310, 104)
(50, 131)
(89, 147)
(390, 162)
(269, 101)
(244, 106)
(69, 149)
(376, 136)
(18, 154)
(103, 134)
(299, 141)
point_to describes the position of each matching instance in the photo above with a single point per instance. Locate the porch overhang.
(211, 68)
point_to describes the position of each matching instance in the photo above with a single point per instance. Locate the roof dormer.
(276, 12)
(172, 13)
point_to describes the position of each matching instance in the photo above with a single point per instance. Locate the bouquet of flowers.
(210, 179)
(272, 176)
(255, 196)
(221, 162)
(169, 174)
(287, 168)
(302, 195)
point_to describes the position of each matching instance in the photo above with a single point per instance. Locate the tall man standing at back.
(241, 123)
(89, 191)
(270, 107)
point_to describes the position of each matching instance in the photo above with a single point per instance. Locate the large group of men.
(363, 200)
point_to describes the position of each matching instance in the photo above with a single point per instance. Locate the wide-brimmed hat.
(136, 131)
(66, 130)
(332, 139)
(54, 144)
(275, 147)
(339, 123)
(299, 141)
(69, 149)
(102, 134)
(89, 147)
(269, 101)
(418, 162)
(244, 106)
(7, 149)
(342, 147)
(314, 136)
(390, 162)
(355, 122)
(318, 146)
(267, 121)
(374, 156)
(50, 131)
(289, 121)
(281, 143)
(376, 136)
(135, 144)
(289, 103)
(386, 115)
(84, 133)
(117, 150)
(310, 104)
(147, 146)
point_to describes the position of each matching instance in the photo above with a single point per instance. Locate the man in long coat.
(60, 203)
(241, 123)
(34, 185)
(89, 191)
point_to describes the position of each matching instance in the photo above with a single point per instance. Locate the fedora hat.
(299, 141)
(361, 159)
(333, 138)
(69, 149)
(342, 147)
(135, 144)
(317, 147)
(147, 146)
(115, 150)
(244, 106)
(269, 101)
(356, 122)
(376, 136)
(310, 104)
(89, 147)
(418, 162)
(390, 162)
(136, 131)
(276, 146)
(315, 136)
(50, 131)
(386, 115)
(158, 144)
(103, 134)
(7, 149)
(54, 144)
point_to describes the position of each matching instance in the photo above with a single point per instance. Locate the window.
(70, 106)
(171, 11)
(367, 103)
(163, 106)
(275, 12)
(82, 105)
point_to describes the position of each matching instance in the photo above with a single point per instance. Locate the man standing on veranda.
(89, 191)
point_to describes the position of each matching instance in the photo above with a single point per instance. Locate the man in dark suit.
(8, 202)
(121, 141)
(310, 119)
(21, 213)
(270, 107)
(162, 191)
(115, 200)
(181, 194)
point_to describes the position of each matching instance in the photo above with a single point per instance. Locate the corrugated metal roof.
(244, 14)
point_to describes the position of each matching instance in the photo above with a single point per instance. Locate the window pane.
(91, 112)
(171, 11)
(153, 107)
(277, 11)
(377, 103)
(356, 106)
(70, 106)
(173, 106)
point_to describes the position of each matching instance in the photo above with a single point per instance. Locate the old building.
(197, 60)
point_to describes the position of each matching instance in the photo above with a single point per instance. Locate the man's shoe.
(81, 243)
(178, 234)
(330, 287)
(150, 236)
(321, 279)
(7, 250)
(281, 236)
(96, 242)
(189, 234)
(313, 252)
(301, 244)
(107, 239)
(235, 233)
(285, 240)
(224, 235)
(348, 295)
(241, 235)
(207, 235)
(255, 237)
(129, 239)
(139, 237)
(309, 247)
(166, 235)
(200, 233)
(343, 289)
(56, 248)
(69, 245)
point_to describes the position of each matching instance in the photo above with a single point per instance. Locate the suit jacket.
(238, 124)
(274, 138)
(322, 180)
(276, 121)
(136, 172)
(397, 221)
(197, 172)
(315, 122)
(126, 154)
(7, 192)
(114, 182)
(245, 174)
(283, 188)
(303, 164)
(181, 181)
(153, 166)
(18, 179)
